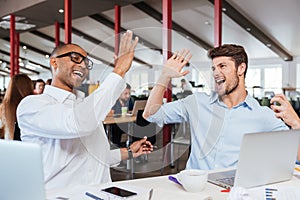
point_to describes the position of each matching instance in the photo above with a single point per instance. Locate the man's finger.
(135, 42)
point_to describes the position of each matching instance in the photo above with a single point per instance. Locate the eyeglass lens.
(77, 58)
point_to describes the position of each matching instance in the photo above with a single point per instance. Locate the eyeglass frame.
(90, 62)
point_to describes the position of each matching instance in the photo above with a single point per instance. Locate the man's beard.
(230, 88)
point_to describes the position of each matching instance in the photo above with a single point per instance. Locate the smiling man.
(219, 120)
(69, 127)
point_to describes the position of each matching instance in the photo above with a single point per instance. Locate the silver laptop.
(21, 171)
(265, 158)
(138, 105)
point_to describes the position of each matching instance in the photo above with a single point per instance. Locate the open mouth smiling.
(78, 73)
(220, 81)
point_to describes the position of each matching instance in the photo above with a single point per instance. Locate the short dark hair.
(236, 52)
(38, 81)
(59, 48)
(128, 86)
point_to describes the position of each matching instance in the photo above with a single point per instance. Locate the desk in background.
(109, 120)
(117, 120)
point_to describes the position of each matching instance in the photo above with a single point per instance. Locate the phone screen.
(119, 192)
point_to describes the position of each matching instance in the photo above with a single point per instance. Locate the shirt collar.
(248, 102)
(61, 95)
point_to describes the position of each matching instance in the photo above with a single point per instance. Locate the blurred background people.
(118, 129)
(19, 87)
(185, 86)
(39, 86)
(49, 81)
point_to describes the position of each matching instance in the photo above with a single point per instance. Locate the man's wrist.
(163, 81)
(296, 125)
(119, 72)
(130, 154)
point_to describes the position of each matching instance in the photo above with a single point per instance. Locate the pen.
(172, 178)
(226, 190)
(93, 196)
(270, 189)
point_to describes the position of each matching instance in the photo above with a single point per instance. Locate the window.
(269, 78)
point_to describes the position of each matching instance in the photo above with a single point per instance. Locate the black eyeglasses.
(78, 58)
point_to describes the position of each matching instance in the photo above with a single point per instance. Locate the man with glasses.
(69, 127)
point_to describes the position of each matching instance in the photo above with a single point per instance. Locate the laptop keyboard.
(227, 180)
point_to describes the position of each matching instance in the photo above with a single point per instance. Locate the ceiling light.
(47, 56)
(61, 10)
(17, 18)
(248, 29)
(5, 23)
(19, 25)
(224, 9)
(24, 47)
(207, 23)
(3, 65)
(268, 45)
(30, 67)
(25, 62)
(39, 66)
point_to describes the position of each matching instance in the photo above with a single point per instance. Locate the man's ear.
(53, 63)
(241, 69)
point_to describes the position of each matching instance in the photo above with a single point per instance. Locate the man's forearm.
(156, 96)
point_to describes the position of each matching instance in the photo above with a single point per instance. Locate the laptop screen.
(264, 158)
(21, 171)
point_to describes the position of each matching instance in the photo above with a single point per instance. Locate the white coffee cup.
(193, 180)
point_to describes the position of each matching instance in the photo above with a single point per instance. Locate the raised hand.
(173, 66)
(285, 111)
(126, 53)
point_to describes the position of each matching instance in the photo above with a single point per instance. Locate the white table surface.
(163, 188)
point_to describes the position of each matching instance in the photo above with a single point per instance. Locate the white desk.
(163, 189)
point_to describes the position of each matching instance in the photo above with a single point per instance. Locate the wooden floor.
(152, 167)
(155, 164)
(158, 162)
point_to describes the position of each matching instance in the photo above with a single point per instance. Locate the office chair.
(144, 128)
(180, 137)
(17, 132)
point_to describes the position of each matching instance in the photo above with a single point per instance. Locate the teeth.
(220, 81)
(78, 73)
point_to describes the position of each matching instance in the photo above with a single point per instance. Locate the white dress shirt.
(69, 129)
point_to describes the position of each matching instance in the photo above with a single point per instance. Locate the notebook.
(265, 158)
(138, 105)
(21, 171)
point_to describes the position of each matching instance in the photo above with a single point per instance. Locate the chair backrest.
(144, 128)
(140, 121)
(17, 132)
